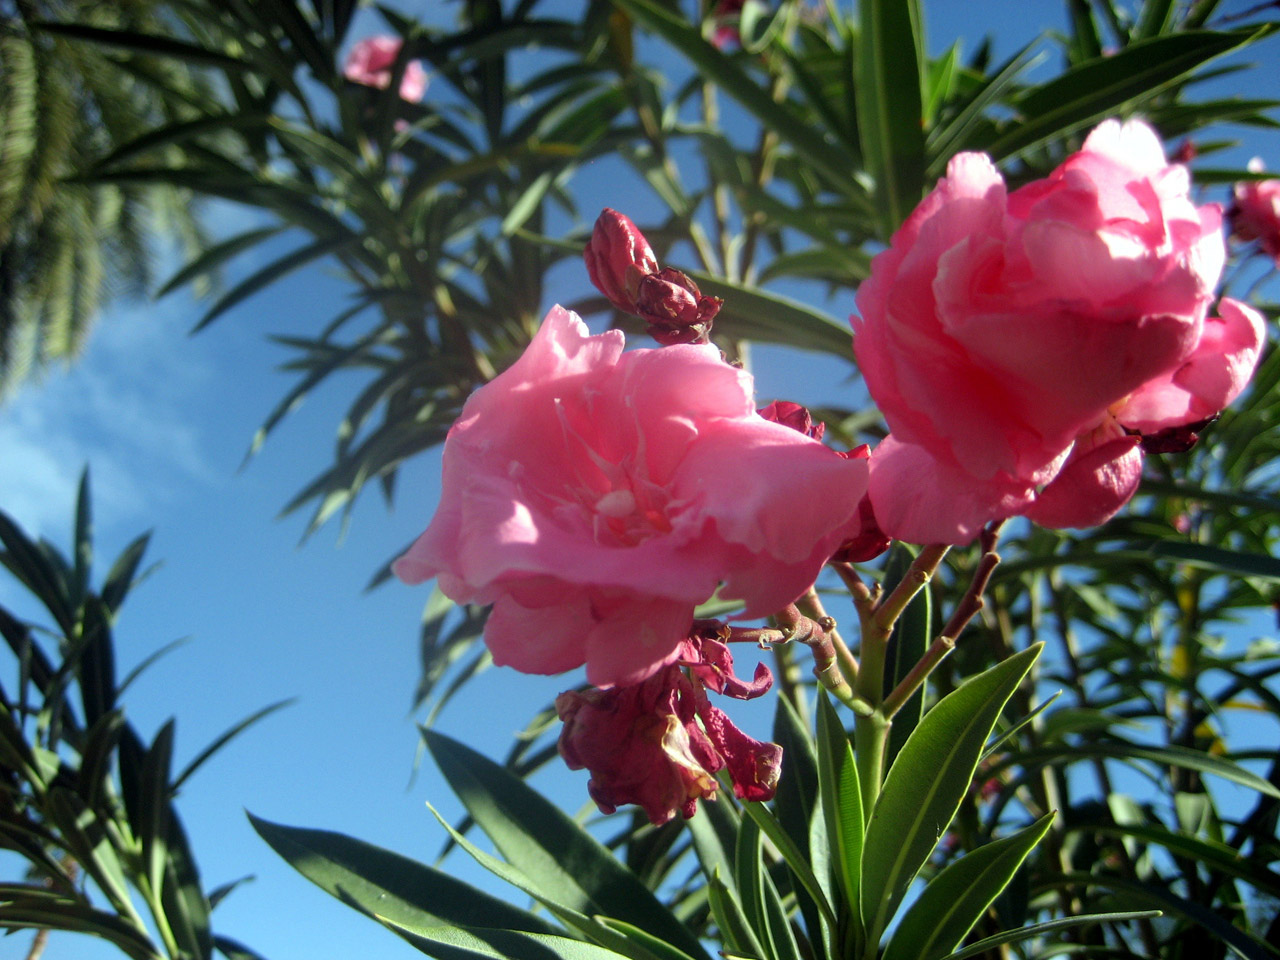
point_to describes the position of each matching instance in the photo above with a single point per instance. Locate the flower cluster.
(370, 63)
(1022, 345)
(1026, 348)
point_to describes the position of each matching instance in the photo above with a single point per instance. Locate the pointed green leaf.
(1051, 926)
(841, 798)
(956, 898)
(714, 64)
(906, 647)
(388, 886)
(1090, 92)
(923, 789)
(549, 847)
(890, 106)
(750, 313)
(457, 943)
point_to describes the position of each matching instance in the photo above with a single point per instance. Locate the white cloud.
(118, 409)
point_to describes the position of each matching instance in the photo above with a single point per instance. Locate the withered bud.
(1175, 439)
(870, 541)
(618, 257)
(794, 416)
(674, 308)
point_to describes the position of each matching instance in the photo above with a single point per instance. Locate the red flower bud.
(618, 257)
(674, 308)
(794, 416)
(870, 541)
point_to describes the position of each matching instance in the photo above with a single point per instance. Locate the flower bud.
(618, 257)
(794, 416)
(674, 308)
(870, 541)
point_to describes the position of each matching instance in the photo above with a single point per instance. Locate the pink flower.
(659, 743)
(1019, 344)
(370, 62)
(1255, 215)
(595, 497)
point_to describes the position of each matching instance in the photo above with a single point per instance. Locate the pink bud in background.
(795, 416)
(618, 257)
(1018, 344)
(1255, 215)
(370, 63)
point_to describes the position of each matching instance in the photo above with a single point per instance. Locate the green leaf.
(923, 789)
(1094, 90)
(906, 647)
(549, 847)
(226, 737)
(390, 887)
(734, 926)
(1051, 926)
(890, 106)
(753, 314)
(712, 63)
(149, 44)
(956, 898)
(795, 860)
(272, 272)
(614, 935)
(212, 258)
(1172, 756)
(456, 943)
(841, 798)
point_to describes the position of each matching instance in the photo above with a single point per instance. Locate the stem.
(918, 575)
(915, 679)
(870, 744)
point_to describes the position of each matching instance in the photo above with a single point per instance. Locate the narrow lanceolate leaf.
(613, 934)
(753, 314)
(1091, 91)
(549, 847)
(712, 63)
(957, 897)
(924, 787)
(456, 943)
(890, 106)
(391, 887)
(841, 798)
(907, 645)
(1051, 926)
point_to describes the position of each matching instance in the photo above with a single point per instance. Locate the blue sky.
(163, 420)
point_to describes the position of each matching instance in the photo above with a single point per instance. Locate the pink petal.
(1091, 488)
(1210, 378)
(921, 500)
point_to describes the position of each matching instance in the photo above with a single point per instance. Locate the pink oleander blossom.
(1255, 214)
(1020, 344)
(659, 743)
(595, 497)
(371, 60)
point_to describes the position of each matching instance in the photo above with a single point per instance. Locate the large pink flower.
(370, 62)
(1019, 344)
(1255, 215)
(595, 497)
